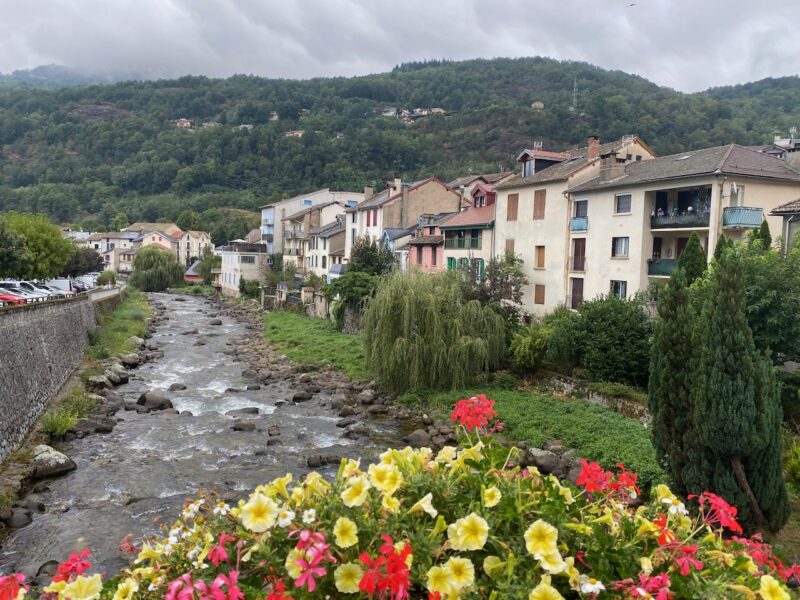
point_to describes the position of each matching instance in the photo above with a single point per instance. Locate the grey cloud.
(685, 44)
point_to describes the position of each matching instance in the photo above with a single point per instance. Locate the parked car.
(21, 294)
(52, 290)
(15, 287)
(33, 288)
(6, 299)
(78, 285)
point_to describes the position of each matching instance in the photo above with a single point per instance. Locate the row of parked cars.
(14, 292)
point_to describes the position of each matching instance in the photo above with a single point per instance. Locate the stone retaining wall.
(42, 344)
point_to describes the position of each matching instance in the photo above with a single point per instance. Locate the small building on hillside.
(426, 248)
(246, 259)
(192, 274)
(326, 247)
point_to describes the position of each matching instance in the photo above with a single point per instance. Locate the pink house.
(426, 248)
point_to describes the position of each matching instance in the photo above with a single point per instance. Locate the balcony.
(661, 267)
(686, 220)
(462, 243)
(742, 217)
(577, 263)
(579, 224)
(267, 223)
(294, 233)
(267, 237)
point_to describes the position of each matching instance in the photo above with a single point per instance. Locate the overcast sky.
(685, 44)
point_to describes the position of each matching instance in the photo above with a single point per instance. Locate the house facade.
(636, 218)
(242, 259)
(790, 226)
(272, 215)
(533, 216)
(191, 245)
(399, 206)
(325, 247)
(297, 229)
(426, 248)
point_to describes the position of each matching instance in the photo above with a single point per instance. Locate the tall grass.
(128, 319)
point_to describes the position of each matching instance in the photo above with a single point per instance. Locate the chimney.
(368, 192)
(403, 207)
(397, 185)
(594, 147)
(611, 167)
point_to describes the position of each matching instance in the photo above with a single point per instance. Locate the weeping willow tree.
(154, 270)
(420, 333)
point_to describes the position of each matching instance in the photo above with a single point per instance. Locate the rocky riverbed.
(206, 402)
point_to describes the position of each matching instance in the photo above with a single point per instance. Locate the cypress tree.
(723, 244)
(693, 259)
(733, 441)
(765, 235)
(670, 376)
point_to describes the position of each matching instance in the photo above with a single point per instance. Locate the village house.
(325, 247)
(635, 218)
(533, 217)
(397, 240)
(469, 235)
(192, 274)
(110, 244)
(273, 214)
(159, 239)
(790, 228)
(243, 259)
(191, 245)
(297, 229)
(426, 248)
(399, 206)
(168, 228)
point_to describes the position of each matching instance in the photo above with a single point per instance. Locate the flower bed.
(462, 523)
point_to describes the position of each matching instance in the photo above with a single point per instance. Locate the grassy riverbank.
(307, 340)
(128, 318)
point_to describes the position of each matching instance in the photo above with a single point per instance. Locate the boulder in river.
(366, 397)
(215, 322)
(239, 412)
(49, 462)
(19, 518)
(193, 331)
(131, 360)
(301, 396)
(98, 382)
(154, 401)
(177, 387)
(244, 426)
(137, 342)
(419, 438)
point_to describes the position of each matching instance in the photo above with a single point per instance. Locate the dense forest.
(88, 154)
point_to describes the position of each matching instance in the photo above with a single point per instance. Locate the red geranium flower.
(592, 477)
(718, 511)
(474, 413)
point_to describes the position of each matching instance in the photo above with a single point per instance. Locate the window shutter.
(509, 245)
(539, 197)
(538, 295)
(513, 202)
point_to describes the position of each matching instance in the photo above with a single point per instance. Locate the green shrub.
(792, 461)
(154, 270)
(616, 337)
(59, 421)
(565, 343)
(106, 277)
(619, 390)
(529, 349)
(249, 288)
(78, 403)
(790, 398)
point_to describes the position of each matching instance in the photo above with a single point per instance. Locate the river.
(134, 479)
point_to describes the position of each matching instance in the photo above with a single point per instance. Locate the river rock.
(273, 430)
(130, 360)
(112, 377)
(239, 412)
(244, 426)
(33, 505)
(419, 438)
(98, 382)
(153, 401)
(193, 331)
(301, 396)
(48, 462)
(253, 387)
(200, 343)
(86, 426)
(120, 372)
(48, 569)
(177, 387)
(346, 422)
(546, 461)
(136, 341)
(356, 432)
(151, 345)
(366, 397)
(249, 373)
(378, 409)
(233, 390)
(215, 322)
(20, 517)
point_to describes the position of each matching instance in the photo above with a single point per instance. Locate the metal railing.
(462, 243)
(742, 217)
(290, 233)
(579, 224)
(693, 219)
(661, 267)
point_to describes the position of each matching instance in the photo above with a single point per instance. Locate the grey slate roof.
(394, 234)
(306, 210)
(329, 229)
(373, 202)
(731, 159)
(193, 269)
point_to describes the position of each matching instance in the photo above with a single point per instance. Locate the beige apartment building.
(533, 215)
(325, 247)
(191, 245)
(297, 230)
(636, 218)
(242, 259)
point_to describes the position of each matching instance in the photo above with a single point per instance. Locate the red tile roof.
(483, 215)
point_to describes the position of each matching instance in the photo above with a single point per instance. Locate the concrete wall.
(42, 345)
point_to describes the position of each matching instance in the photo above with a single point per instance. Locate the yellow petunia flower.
(347, 578)
(552, 562)
(292, 568)
(345, 532)
(544, 591)
(83, 588)
(280, 486)
(386, 478)
(647, 565)
(491, 497)
(390, 503)
(468, 533)
(462, 571)
(56, 587)
(259, 513)
(440, 579)
(356, 492)
(316, 484)
(572, 572)
(424, 504)
(541, 538)
(493, 566)
(352, 468)
(770, 589)
(566, 493)
(126, 590)
(151, 553)
(447, 454)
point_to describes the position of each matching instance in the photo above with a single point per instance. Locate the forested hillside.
(85, 154)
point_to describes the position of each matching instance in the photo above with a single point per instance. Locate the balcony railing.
(579, 224)
(577, 263)
(688, 219)
(267, 237)
(462, 243)
(661, 267)
(742, 217)
(291, 233)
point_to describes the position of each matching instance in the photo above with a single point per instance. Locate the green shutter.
(480, 268)
(451, 263)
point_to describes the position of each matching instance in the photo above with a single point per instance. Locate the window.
(375, 217)
(638, 157)
(431, 230)
(619, 247)
(622, 204)
(540, 257)
(510, 246)
(619, 289)
(511, 212)
(324, 243)
(353, 236)
(737, 195)
(248, 260)
(433, 255)
(581, 208)
(451, 263)
(308, 202)
(538, 294)
(324, 261)
(539, 197)
(111, 246)
(628, 157)
(527, 168)
(369, 218)
(419, 255)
